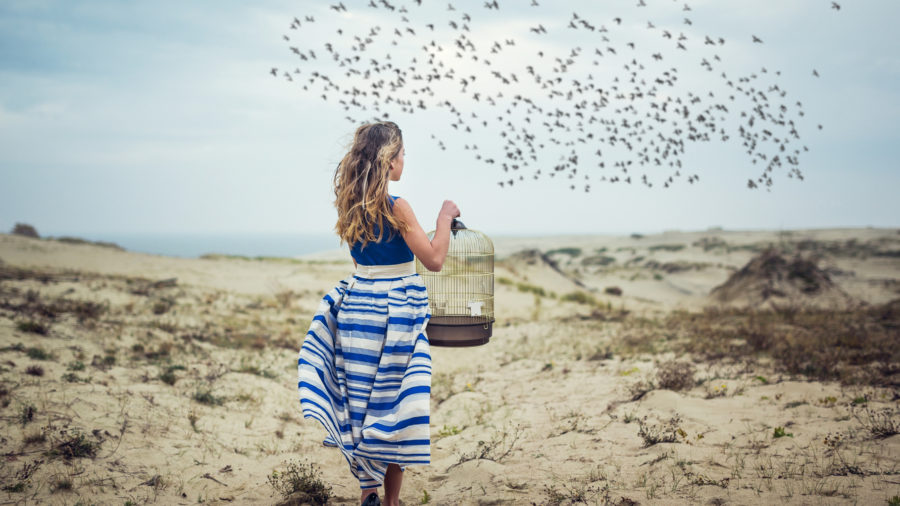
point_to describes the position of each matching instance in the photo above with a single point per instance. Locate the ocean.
(196, 245)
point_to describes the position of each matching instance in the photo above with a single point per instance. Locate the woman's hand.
(448, 211)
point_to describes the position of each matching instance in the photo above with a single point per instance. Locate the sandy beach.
(655, 369)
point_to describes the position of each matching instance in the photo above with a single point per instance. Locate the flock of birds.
(606, 111)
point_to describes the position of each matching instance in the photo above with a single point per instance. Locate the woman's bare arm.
(431, 253)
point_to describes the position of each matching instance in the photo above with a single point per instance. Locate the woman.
(365, 367)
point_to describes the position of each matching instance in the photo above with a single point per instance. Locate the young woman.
(365, 367)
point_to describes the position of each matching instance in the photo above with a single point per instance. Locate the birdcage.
(461, 295)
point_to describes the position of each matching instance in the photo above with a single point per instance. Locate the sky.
(163, 117)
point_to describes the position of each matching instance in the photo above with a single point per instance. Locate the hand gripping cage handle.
(456, 225)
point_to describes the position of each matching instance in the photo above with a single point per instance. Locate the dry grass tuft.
(300, 484)
(673, 375)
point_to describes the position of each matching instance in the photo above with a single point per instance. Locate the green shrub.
(779, 432)
(38, 353)
(580, 298)
(33, 327)
(207, 397)
(537, 290)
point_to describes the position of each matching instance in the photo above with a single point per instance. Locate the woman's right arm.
(431, 253)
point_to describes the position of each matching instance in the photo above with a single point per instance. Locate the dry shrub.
(667, 432)
(75, 445)
(83, 310)
(673, 375)
(300, 484)
(851, 346)
(34, 370)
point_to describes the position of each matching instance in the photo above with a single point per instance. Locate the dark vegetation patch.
(33, 327)
(38, 353)
(666, 247)
(678, 266)
(78, 240)
(574, 252)
(205, 396)
(35, 308)
(75, 444)
(579, 297)
(857, 346)
(850, 248)
(598, 260)
(34, 370)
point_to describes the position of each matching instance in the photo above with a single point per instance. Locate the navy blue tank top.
(392, 249)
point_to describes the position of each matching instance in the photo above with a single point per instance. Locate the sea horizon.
(290, 244)
(195, 245)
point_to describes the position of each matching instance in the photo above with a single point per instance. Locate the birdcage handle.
(457, 225)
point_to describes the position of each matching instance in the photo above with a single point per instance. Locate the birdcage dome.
(461, 295)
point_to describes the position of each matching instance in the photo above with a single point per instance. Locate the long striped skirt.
(365, 372)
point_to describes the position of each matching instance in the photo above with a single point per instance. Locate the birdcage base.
(456, 331)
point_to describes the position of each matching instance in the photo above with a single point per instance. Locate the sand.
(186, 392)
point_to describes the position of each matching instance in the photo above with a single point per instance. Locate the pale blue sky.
(159, 117)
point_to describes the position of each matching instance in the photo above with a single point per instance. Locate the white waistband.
(386, 271)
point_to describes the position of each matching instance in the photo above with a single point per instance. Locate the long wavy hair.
(361, 181)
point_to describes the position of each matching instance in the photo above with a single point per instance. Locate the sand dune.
(115, 389)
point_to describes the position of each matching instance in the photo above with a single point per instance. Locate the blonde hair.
(360, 184)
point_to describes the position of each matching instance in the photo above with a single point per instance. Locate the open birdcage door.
(461, 295)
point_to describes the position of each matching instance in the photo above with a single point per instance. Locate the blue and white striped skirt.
(365, 371)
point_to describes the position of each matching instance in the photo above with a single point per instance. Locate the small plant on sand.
(63, 484)
(168, 377)
(192, 418)
(162, 306)
(299, 484)
(71, 377)
(713, 391)
(894, 501)
(75, 445)
(449, 430)
(33, 326)
(573, 493)
(205, 396)
(880, 424)
(673, 375)
(15, 488)
(38, 353)
(27, 414)
(499, 447)
(579, 298)
(779, 432)
(665, 433)
(425, 497)
(34, 370)
(640, 388)
(34, 438)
